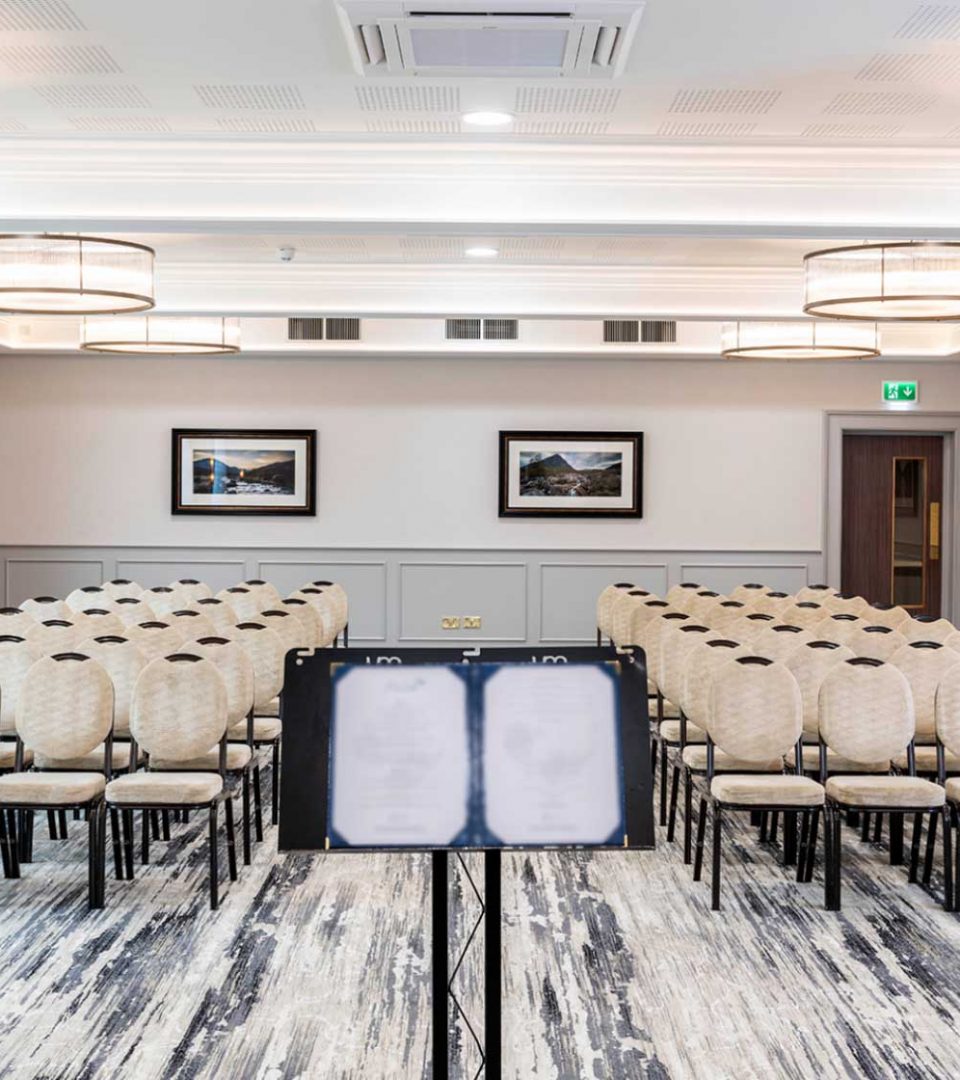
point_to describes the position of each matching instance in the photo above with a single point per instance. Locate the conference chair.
(191, 623)
(727, 613)
(164, 599)
(90, 596)
(680, 597)
(123, 588)
(267, 595)
(286, 626)
(622, 613)
(806, 614)
(43, 608)
(947, 711)
(96, 622)
(666, 711)
(324, 606)
(838, 627)
(191, 590)
(777, 641)
(178, 714)
(846, 604)
(926, 629)
(704, 604)
(17, 656)
(747, 628)
(772, 603)
(755, 714)
(604, 607)
(341, 605)
(155, 638)
(55, 636)
(64, 712)
(890, 615)
(313, 632)
(877, 642)
(15, 622)
(130, 610)
(749, 592)
(245, 603)
(867, 715)
(925, 664)
(817, 593)
(220, 613)
(266, 652)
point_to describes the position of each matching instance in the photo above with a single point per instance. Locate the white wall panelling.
(217, 573)
(365, 582)
(48, 576)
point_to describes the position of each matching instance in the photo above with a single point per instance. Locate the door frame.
(884, 422)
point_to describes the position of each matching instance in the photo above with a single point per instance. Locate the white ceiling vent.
(491, 38)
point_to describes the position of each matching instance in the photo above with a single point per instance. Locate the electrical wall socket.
(472, 622)
(450, 622)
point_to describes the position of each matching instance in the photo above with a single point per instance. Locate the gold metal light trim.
(162, 335)
(54, 274)
(909, 281)
(801, 339)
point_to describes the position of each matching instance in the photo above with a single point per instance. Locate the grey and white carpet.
(316, 967)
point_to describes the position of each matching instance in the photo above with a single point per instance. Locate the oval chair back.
(703, 660)
(245, 603)
(56, 636)
(324, 606)
(927, 630)
(924, 663)
(286, 626)
(890, 615)
(90, 596)
(191, 623)
(817, 593)
(810, 663)
(680, 597)
(605, 603)
(131, 610)
(43, 608)
(866, 711)
(219, 612)
(755, 711)
(749, 592)
(876, 642)
(947, 710)
(99, 621)
(837, 627)
(122, 661)
(163, 599)
(155, 638)
(310, 619)
(266, 593)
(179, 709)
(236, 668)
(676, 641)
(266, 652)
(650, 641)
(17, 656)
(121, 588)
(191, 590)
(779, 640)
(622, 614)
(804, 613)
(15, 622)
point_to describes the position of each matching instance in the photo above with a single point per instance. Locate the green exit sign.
(901, 391)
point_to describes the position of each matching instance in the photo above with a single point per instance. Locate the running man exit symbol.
(901, 391)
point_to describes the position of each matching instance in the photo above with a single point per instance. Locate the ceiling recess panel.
(494, 38)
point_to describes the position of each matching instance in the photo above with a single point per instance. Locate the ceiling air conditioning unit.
(493, 38)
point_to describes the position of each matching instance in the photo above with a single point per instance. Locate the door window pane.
(909, 536)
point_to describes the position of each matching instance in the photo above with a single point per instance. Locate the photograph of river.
(244, 472)
(574, 473)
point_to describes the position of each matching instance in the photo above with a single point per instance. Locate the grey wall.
(400, 595)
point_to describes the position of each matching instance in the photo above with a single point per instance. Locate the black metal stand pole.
(492, 962)
(440, 955)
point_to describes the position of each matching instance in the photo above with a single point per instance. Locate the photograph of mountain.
(244, 472)
(575, 473)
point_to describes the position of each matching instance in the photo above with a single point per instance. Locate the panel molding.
(40, 560)
(463, 636)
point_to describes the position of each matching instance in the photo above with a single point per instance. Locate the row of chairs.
(165, 678)
(706, 728)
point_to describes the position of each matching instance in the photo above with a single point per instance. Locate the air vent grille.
(94, 96)
(658, 331)
(19, 15)
(343, 329)
(855, 103)
(304, 329)
(59, 60)
(500, 329)
(463, 329)
(250, 96)
(621, 331)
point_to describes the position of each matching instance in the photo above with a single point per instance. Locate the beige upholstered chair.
(130, 610)
(838, 627)
(266, 652)
(816, 593)
(90, 596)
(755, 714)
(323, 605)
(605, 602)
(727, 614)
(15, 622)
(95, 622)
(749, 627)
(43, 608)
(286, 626)
(339, 597)
(311, 621)
(155, 638)
(844, 604)
(641, 615)
(220, 613)
(56, 636)
(947, 712)
(122, 661)
(924, 663)
(122, 587)
(876, 642)
(681, 596)
(622, 613)
(178, 715)
(772, 603)
(192, 623)
(64, 712)
(246, 604)
(924, 629)
(886, 615)
(704, 606)
(749, 592)
(191, 590)
(17, 656)
(867, 715)
(266, 594)
(804, 613)
(648, 639)
(778, 640)
(164, 599)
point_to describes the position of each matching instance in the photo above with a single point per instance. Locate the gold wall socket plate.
(472, 622)
(450, 622)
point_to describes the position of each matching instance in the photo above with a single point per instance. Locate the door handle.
(934, 531)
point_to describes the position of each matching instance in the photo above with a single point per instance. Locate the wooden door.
(892, 511)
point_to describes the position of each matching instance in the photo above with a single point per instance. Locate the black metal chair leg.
(896, 839)
(804, 840)
(789, 838)
(154, 823)
(52, 825)
(663, 782)
(115, 836)
(93, 859)
(231, 838)
(126, 820)
(701, 829)
(763, 826)
(687, 817)
(257, 806)
(62, 815)
(878, 829)
(865, 827)
(774, 822)
(948, 893)
(811, 847)
(245, 796)
(928, 854)
(275, 804)
(146, 817)
(165, 824)
(26, 836)
(5, 845)
(13, 844)
(214, 869)
(672, 818)
(915, 847)
(715, 879)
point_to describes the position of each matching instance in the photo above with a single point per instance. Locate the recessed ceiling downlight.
(159, 335)
(52, 274)
(482, 251)
(488, 118)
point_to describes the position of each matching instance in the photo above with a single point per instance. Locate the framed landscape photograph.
(571, 474)
(244, 472)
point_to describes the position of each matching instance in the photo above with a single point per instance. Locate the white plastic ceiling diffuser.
(490, 38)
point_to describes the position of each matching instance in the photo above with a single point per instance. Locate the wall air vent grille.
(500, 329)
(853, 103)
(340, 329)
(433, 99)
(658, 331)
(250, 96)
(132, 125)
(94, 96)
(462, 330)
(621, 331)
(851, 131)
(724, 101)
(304, 329)
(267, 125)
(599, 100)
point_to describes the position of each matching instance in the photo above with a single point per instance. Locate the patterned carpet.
(317, 968)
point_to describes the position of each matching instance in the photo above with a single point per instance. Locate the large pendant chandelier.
(49, 274)
(800, 339)
(905, 281)
(161, 335)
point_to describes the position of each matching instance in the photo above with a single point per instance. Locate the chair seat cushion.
(766, 790)
(265, 729)
(695, 757)
(162, 788)
(835, 763)
(238, 757)
(670, 732)
(51, 788)
(894, 791)
(94, 761)
(953, 789)
(8, 756)
(926, 757)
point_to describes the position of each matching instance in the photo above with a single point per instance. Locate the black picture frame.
(634, 510)
(308, 508)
